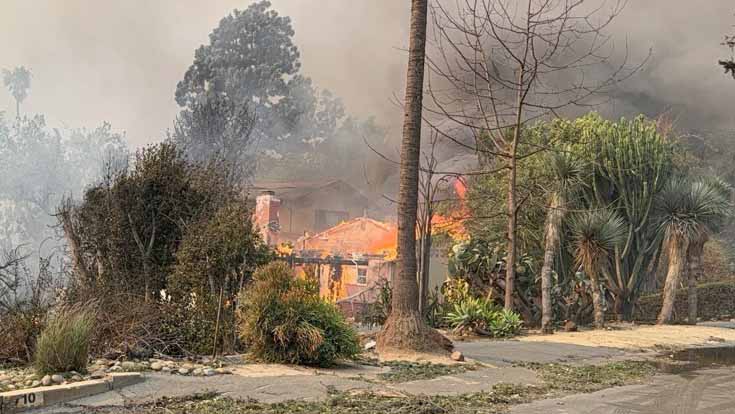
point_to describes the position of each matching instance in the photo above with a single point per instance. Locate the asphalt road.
(701, 392)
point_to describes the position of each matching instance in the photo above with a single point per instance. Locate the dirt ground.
(628, 336)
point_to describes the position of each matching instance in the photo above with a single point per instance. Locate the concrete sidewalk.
(299, 383)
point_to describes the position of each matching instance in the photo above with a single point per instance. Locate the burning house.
(324, 232)
(293, 209)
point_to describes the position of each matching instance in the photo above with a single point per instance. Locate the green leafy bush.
(471, 315)
(283, 320)
(504, 324)
(482, 316)
(64, 343)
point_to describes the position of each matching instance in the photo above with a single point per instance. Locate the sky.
(119, 61)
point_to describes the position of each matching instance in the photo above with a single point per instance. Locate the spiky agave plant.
(594, 236)
(688, 211)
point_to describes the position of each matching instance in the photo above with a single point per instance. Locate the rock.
(166, 369)
(57, 378)
(28, 383)
(99, 374)
(129, 366)
(183, 371)
(11, 387)
(4, 378)
(46, 380)
(76, 378)
(570, 326)
(370, 345)
(457, 356)
(209, 372)
(188, 366)
(198, 372)
(156, 366)
(115, 368)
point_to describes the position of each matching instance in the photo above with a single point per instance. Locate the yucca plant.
(566, 171)
(595, 234)
(688, 211)
(627, 163)
(695, 252)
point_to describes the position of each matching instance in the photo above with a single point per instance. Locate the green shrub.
(471, 315)
(505, 324)
(64, 343)
(482, 316)
(283, 320)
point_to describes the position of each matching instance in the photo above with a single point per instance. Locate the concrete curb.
(23, 400)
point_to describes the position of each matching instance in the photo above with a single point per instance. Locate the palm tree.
(594, 236)
(566, 171)
(18, 81)
(688, 212)
(695, 253)
(405, 328)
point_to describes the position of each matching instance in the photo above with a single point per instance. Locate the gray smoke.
(113, 61)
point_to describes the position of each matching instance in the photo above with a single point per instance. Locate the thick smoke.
(120, 61)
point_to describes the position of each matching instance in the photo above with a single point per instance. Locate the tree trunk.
(599, 313)
(695, 260)
(79, 264)
(425, 267)
(405, 328)
(677, 264)
(553, 223)
(510, 260)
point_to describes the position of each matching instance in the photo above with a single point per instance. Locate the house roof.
(346, 225)
(292, 190)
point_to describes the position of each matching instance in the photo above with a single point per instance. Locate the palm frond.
(594, 235)
(692, 208)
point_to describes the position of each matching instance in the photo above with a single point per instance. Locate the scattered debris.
(457, 356)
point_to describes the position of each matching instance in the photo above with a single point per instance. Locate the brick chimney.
(266, 216)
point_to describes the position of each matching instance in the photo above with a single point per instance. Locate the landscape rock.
(98, 374)
(166, 369)
(115, 368)
(57, 378)
(457, 356)
(183, 371)
(370, 345)
(209, 372)
(46, 380)
(198, 372)
(156, 366)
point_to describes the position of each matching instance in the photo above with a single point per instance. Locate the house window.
(326, 219)
(362, 275)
